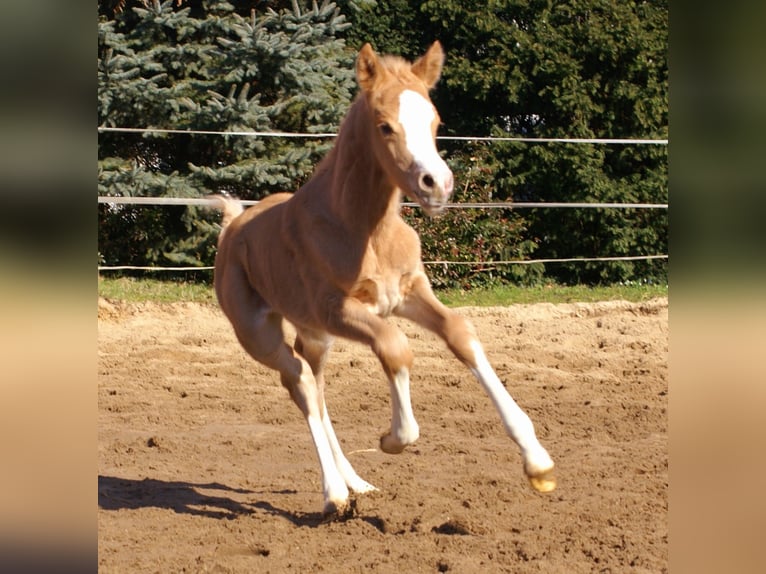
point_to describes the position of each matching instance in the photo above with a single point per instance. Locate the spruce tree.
(204, 66)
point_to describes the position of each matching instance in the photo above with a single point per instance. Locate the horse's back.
(252, 232)
(252, 223)
(263, 206)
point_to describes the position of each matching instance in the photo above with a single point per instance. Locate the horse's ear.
(367, 67)
(429, 66)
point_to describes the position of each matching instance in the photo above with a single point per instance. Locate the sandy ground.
(206, 466)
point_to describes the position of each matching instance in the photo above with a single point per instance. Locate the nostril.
(426, 182)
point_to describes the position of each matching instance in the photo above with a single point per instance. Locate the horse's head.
(405, 123)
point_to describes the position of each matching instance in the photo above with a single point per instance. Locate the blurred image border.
(718, 288)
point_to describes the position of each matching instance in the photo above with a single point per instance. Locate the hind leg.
(314, 348)
(259, 330)
(264, 340)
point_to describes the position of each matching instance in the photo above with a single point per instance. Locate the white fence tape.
(487, 264)
(493, 205)
(607, 141)
(500, 204)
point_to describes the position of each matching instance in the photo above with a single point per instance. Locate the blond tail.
(231, 209)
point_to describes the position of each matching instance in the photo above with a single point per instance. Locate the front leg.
(421, 306)
(404, 428)
(353, 321)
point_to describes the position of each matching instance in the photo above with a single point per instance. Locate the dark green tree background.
(532, 68)
(565, 69)
(204, 66)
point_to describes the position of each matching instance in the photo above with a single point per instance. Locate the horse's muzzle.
(434, 190)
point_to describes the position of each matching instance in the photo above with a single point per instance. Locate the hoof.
(334, 508)
(544, 482)
(335, 511)
(390, 445)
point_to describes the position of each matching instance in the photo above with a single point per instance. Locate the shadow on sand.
(186, 498)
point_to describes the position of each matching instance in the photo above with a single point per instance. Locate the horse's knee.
(393, 350)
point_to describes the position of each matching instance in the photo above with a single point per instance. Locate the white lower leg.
(537, 461)
(351, 478)
(404, 427)
(334, 486)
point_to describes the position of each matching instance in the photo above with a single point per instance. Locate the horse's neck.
(360, 193)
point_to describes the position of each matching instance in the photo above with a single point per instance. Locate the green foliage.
(532, 68)
(158, 290)
(507, 294)
(206, 67)
(575, 68)
(393, 27)
(470, 235)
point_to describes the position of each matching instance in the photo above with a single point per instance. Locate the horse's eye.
(386, 129)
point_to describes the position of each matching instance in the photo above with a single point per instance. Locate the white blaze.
(416, 114)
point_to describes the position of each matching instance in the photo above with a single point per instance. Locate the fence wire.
(202, 201)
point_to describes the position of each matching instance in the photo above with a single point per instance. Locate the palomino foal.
(335, 258)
